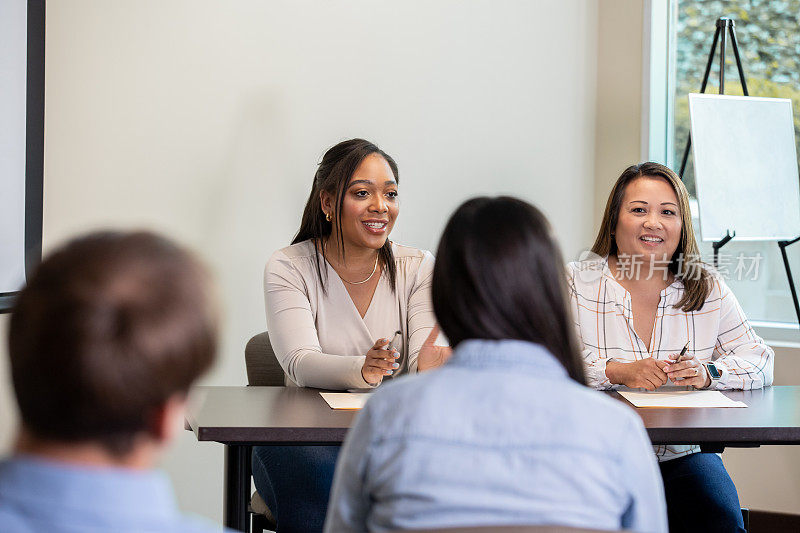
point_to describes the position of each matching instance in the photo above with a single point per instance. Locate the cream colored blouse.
(320, 339)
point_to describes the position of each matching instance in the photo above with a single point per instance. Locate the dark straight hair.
(333, 175)
(499, 275)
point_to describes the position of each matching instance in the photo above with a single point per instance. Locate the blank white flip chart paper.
(745, 162)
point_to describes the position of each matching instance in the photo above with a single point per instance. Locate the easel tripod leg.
(792, 289)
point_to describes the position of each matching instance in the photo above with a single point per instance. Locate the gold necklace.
(374, 269)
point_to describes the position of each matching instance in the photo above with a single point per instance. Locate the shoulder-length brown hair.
(685, 263)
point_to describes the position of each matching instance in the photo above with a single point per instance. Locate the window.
(681, 34)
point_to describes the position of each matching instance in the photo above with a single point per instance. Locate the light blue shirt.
(500, 435)
(38, 496)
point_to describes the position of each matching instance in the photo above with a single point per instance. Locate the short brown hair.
(109, 327)
(697, 286)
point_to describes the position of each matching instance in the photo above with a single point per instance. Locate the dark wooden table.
(772, 416)
(240, 417)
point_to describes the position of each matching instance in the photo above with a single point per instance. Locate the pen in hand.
(680, 356)
(683, 352)
(394, 346)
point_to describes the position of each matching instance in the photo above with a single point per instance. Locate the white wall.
(205, 120)
(619, 95)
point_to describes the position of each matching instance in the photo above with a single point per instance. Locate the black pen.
(680, 356)
(683, 351)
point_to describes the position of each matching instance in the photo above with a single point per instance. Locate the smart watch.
(713, 373)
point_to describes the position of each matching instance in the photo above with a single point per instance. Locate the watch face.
(713, 371)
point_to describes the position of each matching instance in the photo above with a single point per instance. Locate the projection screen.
(21, 142)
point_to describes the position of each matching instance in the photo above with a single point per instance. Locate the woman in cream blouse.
(334, 300)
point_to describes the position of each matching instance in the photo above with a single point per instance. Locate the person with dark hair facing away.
(649, 313)
(334, 300)
(104, 343)
(505, 432)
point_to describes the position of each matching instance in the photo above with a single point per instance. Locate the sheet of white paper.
(345, 400)
(699, 398)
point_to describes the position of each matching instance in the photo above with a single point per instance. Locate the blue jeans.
(700, 495)
(295, 482)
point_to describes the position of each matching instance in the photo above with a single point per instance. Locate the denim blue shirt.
(498, 436)
(38, 496)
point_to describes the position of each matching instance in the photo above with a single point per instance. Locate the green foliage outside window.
(769, 46)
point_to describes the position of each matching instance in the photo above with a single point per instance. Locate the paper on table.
(699, 398)
(345, 400)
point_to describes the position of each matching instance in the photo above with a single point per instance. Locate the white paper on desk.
(345, 400)
(697, 398)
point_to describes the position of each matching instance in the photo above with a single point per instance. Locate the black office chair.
(263, 369)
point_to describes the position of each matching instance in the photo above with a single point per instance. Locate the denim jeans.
(295, 482)
(700, 495)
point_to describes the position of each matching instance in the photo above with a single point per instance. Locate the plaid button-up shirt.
(717, 332)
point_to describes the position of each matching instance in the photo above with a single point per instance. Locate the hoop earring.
(328, 217)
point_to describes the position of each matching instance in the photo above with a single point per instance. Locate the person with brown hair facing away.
(645, 298)
(104, 342)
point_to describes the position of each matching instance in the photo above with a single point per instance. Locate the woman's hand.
(647, 373)
(379, 362)
(430, 355)
(687, 370)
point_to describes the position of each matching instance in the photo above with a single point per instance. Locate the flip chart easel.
(724, 28)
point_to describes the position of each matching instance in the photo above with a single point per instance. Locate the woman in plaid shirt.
(640, 299)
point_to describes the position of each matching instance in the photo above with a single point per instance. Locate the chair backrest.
(263, 368)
